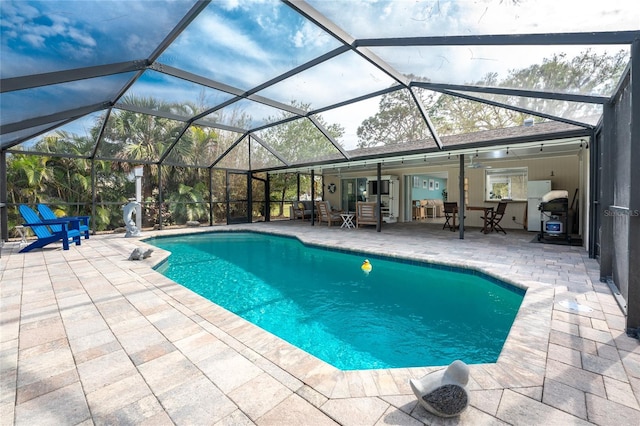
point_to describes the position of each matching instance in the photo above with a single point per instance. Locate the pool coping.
(521, 363)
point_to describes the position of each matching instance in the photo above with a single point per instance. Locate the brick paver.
(90, 337)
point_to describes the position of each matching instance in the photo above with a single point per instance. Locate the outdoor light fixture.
(541, 145)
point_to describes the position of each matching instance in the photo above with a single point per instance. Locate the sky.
(45, 36)
(245, 43)
(411, 18)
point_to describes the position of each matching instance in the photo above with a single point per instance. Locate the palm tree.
(187, 204)
(72, 175)
(27, 178)
(138, 138)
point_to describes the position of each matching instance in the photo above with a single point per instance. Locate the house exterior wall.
(566, 175)
(566, 172)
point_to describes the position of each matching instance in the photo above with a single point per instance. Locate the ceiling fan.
(473, 165)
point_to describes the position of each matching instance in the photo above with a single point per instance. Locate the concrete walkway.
(89, 337)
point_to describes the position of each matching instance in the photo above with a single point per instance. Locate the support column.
(210, 196)
(94, 204)
(160, 221)
(379, 198)
(313, 198)
(4, 214)
(606, 174)
(462, 204)
(267, 198)
(138, 172)
(594, 194)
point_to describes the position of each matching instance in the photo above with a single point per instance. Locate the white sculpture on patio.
(129, 223)
(444, 392)
(139, 254)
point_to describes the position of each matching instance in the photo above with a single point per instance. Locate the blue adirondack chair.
(48, 214)
(69, 230)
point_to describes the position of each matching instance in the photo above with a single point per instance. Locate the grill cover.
(554, 195)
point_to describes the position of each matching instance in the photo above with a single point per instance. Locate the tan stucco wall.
(566, 175)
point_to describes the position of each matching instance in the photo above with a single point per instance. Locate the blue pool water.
(399, 315)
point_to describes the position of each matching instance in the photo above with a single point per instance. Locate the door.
(408, 198)
(258, 200)
(352, 190)
(237, 197)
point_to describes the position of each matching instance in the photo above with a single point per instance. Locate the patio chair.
(69, 230)
(48, 214)
(366, 213)
(496, 217)
(326, 215)
(450, 210)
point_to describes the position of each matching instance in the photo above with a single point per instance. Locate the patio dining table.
(488, 211)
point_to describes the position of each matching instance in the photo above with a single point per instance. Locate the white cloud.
(468, 64)
(35, 40)
(222, 35)
(81, 37)
(36, 28)
(230, 4)
(350, 117)
(365, 19)
(310, 35)
(344, 77)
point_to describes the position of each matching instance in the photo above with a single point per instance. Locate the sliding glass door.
(352, 190)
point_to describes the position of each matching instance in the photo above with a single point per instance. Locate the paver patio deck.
(88, 337)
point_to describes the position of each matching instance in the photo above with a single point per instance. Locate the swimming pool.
(402, 314)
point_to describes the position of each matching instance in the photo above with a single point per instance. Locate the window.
(506, 184)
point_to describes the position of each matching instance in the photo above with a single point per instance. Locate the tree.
(453, 115)
(297, 141)
(398, 119)
(186, 202)
(27, 177)
(71, 181)
(585, 73)
(140, 138)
